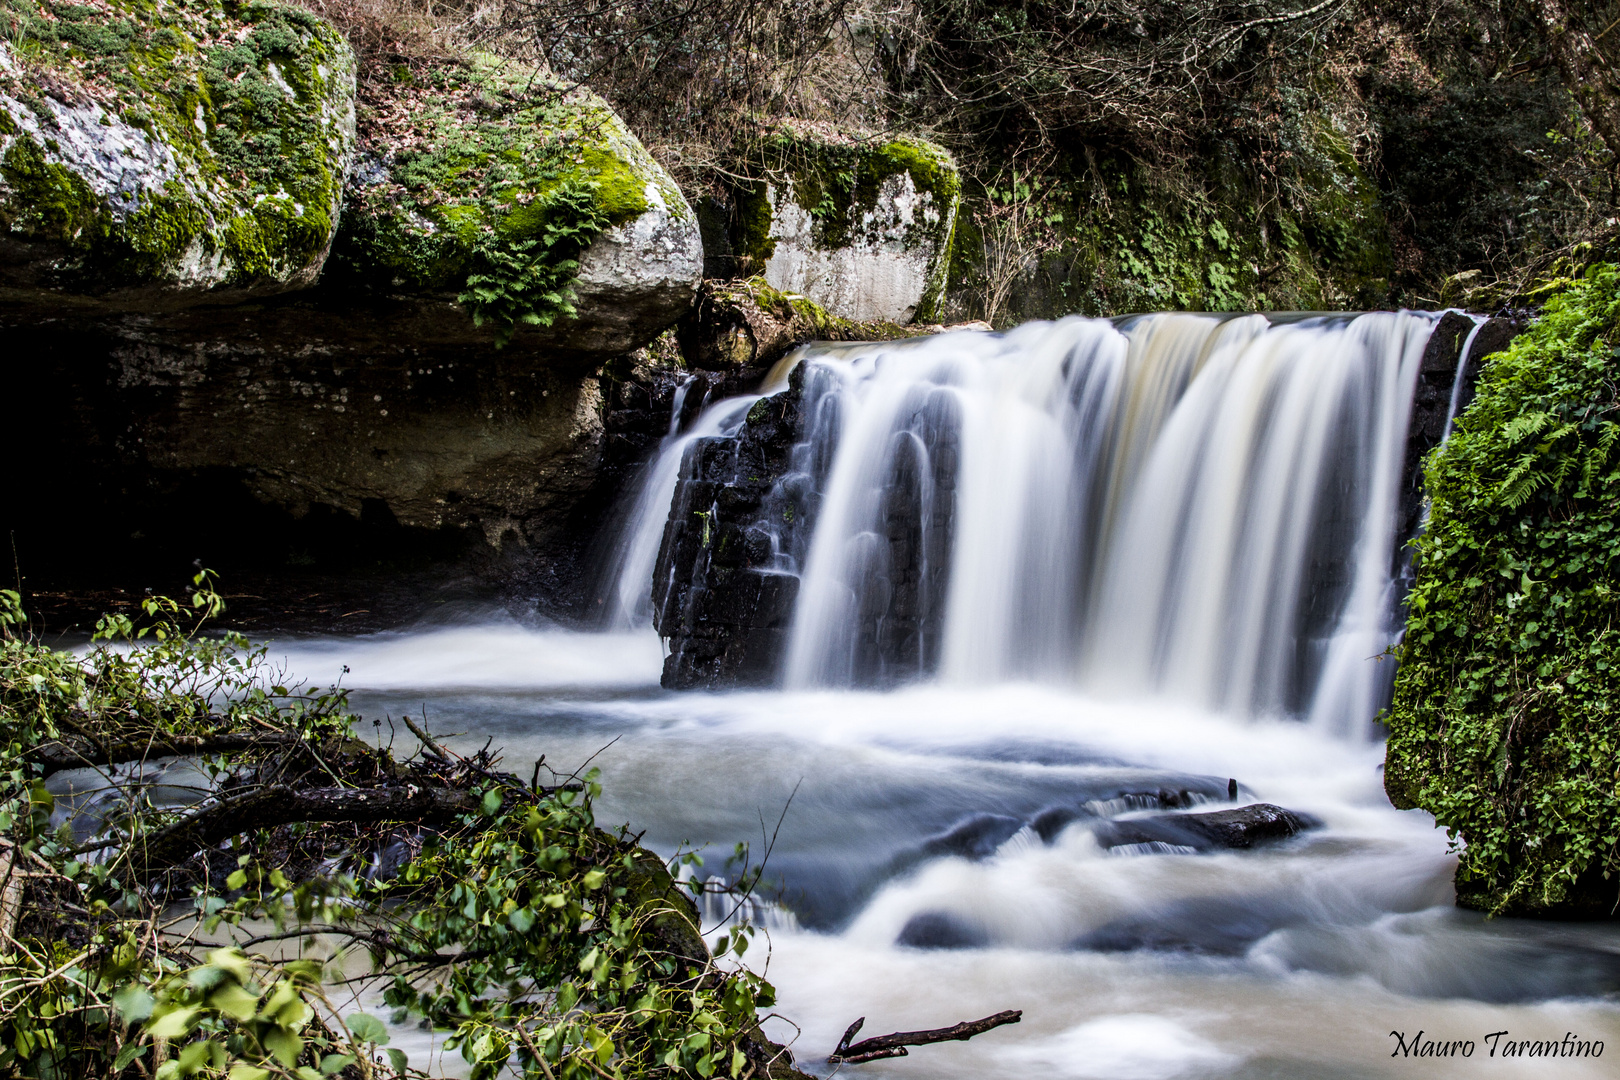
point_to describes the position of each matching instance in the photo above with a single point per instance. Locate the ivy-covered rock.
(1506, 718)
(166, 152)
(861, 226)
(534, 209)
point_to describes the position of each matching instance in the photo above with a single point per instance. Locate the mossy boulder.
(160, 153)
(531, 208)
(862, 226)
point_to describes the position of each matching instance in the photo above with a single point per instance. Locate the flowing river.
(1140, 567)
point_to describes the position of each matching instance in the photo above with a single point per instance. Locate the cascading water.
(629, 594)
(1186, 506)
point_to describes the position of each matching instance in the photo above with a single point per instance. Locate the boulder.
(521, 208)
(862, 226)
(159, 155)
(368, 412)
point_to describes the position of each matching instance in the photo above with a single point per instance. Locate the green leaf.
(367, 1028)
(129, 1053)
(173, 1024)
(134, 1003)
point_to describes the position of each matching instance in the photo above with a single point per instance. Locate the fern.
(530, 282)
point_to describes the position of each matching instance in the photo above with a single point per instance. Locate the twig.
(887, 1046)
(427, 740)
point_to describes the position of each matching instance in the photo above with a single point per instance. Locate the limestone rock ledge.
(862, 226)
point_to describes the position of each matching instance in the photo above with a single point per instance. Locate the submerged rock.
(162, 155)
(941, 930)
(1241, 828)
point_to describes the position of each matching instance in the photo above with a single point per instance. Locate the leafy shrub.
(541, 943)
(1506, 718)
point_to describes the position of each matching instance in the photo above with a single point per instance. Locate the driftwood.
(888, 1046)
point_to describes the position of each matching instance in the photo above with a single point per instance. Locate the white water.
(1182, 506)
(1294, 961)
(636, 550)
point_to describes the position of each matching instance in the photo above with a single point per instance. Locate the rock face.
(716, 599)
(329, 324)
(162, 155)
(862, 227)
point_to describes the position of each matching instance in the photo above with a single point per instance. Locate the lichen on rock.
(167, 152)
(532, 205)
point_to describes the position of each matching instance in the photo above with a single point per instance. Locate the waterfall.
(1192, 507)
(635, 550)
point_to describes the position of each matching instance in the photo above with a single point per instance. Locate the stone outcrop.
(862, 227)
(722, 608)
(262, 316)
(162, 155)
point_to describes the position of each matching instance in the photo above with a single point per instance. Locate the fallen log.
(894, 1045)
(78, 753)
(264, 808)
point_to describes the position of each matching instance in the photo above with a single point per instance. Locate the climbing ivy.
(1506, 718)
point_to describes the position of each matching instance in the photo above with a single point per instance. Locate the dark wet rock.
(1053, 820)
(1218, 926)
(976, 837)
(1431, 397)
(940, 930)
(1230, 829)
(722, 608)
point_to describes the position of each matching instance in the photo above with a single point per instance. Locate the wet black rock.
(1431, 397)
(1229, 829)
(976, 837)
(717, 601)
(939, 930)
(1211, 925)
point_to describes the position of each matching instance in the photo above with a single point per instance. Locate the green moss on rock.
(1506, 718)
(487, 156)
(840, 180)
(170, 149)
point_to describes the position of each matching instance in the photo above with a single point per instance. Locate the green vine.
(1506, 718)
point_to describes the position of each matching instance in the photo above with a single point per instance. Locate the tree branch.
(887, 1046)
(60, 754)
